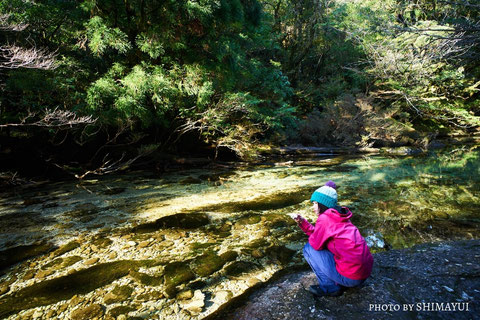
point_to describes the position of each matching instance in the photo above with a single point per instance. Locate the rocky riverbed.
(428, 281)
(183, 245)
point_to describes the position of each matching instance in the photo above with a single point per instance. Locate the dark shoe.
(316, 291)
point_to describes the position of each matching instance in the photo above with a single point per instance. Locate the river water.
(183, 244)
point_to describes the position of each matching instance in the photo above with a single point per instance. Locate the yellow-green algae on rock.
(54, 290)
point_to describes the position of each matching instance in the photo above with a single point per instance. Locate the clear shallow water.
(407, 199)
(237, 212)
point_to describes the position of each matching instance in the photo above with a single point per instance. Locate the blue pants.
(323, 265)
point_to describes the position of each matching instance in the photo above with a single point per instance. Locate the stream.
(181, 245)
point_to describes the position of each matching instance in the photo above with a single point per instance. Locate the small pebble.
(448, 289)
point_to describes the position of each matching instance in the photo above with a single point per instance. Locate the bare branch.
(54, 119)
(14, 57)
(12, 179)
(109, 165)
(6, 25)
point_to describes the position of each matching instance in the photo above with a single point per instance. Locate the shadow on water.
(272, 201)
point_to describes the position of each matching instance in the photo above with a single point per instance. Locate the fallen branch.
(110, 165)
(14, 57)
(53, 119)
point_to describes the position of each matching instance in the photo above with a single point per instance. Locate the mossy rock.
(247, 220)
(197, 285)
(67, 248)
(280, 253)
(207, 264)
(296, 236)
(224, 234)
(258, 243)
(146, 279)
(198, 245)
(123, 291)
(13, 255)
(224, 227)
(240, 267)
(63, 288)
(118, 294)
(153, 295)
(177, 273)
(279, 224)
(180, 220)
(68, 261)
(83, 210)
(55, 264)
(117, 311)
(170, 291)
(222, 231)
(94, 311)
(102, 242)
(229, 255)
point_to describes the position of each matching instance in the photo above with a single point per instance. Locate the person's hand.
(298, 218)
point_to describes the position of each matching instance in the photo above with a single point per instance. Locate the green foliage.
(157, 65)
(232, 73)
(101, 37)
(150, 44)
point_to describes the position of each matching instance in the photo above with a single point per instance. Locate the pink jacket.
(334, 231)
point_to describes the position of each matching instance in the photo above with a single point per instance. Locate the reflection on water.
(222, 230)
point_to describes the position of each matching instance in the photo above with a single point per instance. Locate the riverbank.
(431, 281)
(159, 163)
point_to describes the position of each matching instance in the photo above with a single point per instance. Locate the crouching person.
(336, 251)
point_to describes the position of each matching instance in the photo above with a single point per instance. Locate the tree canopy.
(152, 75)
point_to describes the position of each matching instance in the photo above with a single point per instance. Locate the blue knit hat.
(325, 195)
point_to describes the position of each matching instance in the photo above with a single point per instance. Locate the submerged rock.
(248, 219)
(240, 267)
(280, 253)
(66, 248)
(94, 311)
(195, 305)
(177, 273)
(13, 255)
(180, 220)
(207, 264)
(63, 288)
(146, 279)
(121, 310)
(118, 294)
(83, 210)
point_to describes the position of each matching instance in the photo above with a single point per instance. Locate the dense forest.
(100, 85)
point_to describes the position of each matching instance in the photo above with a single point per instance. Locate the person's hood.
(339, 213)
